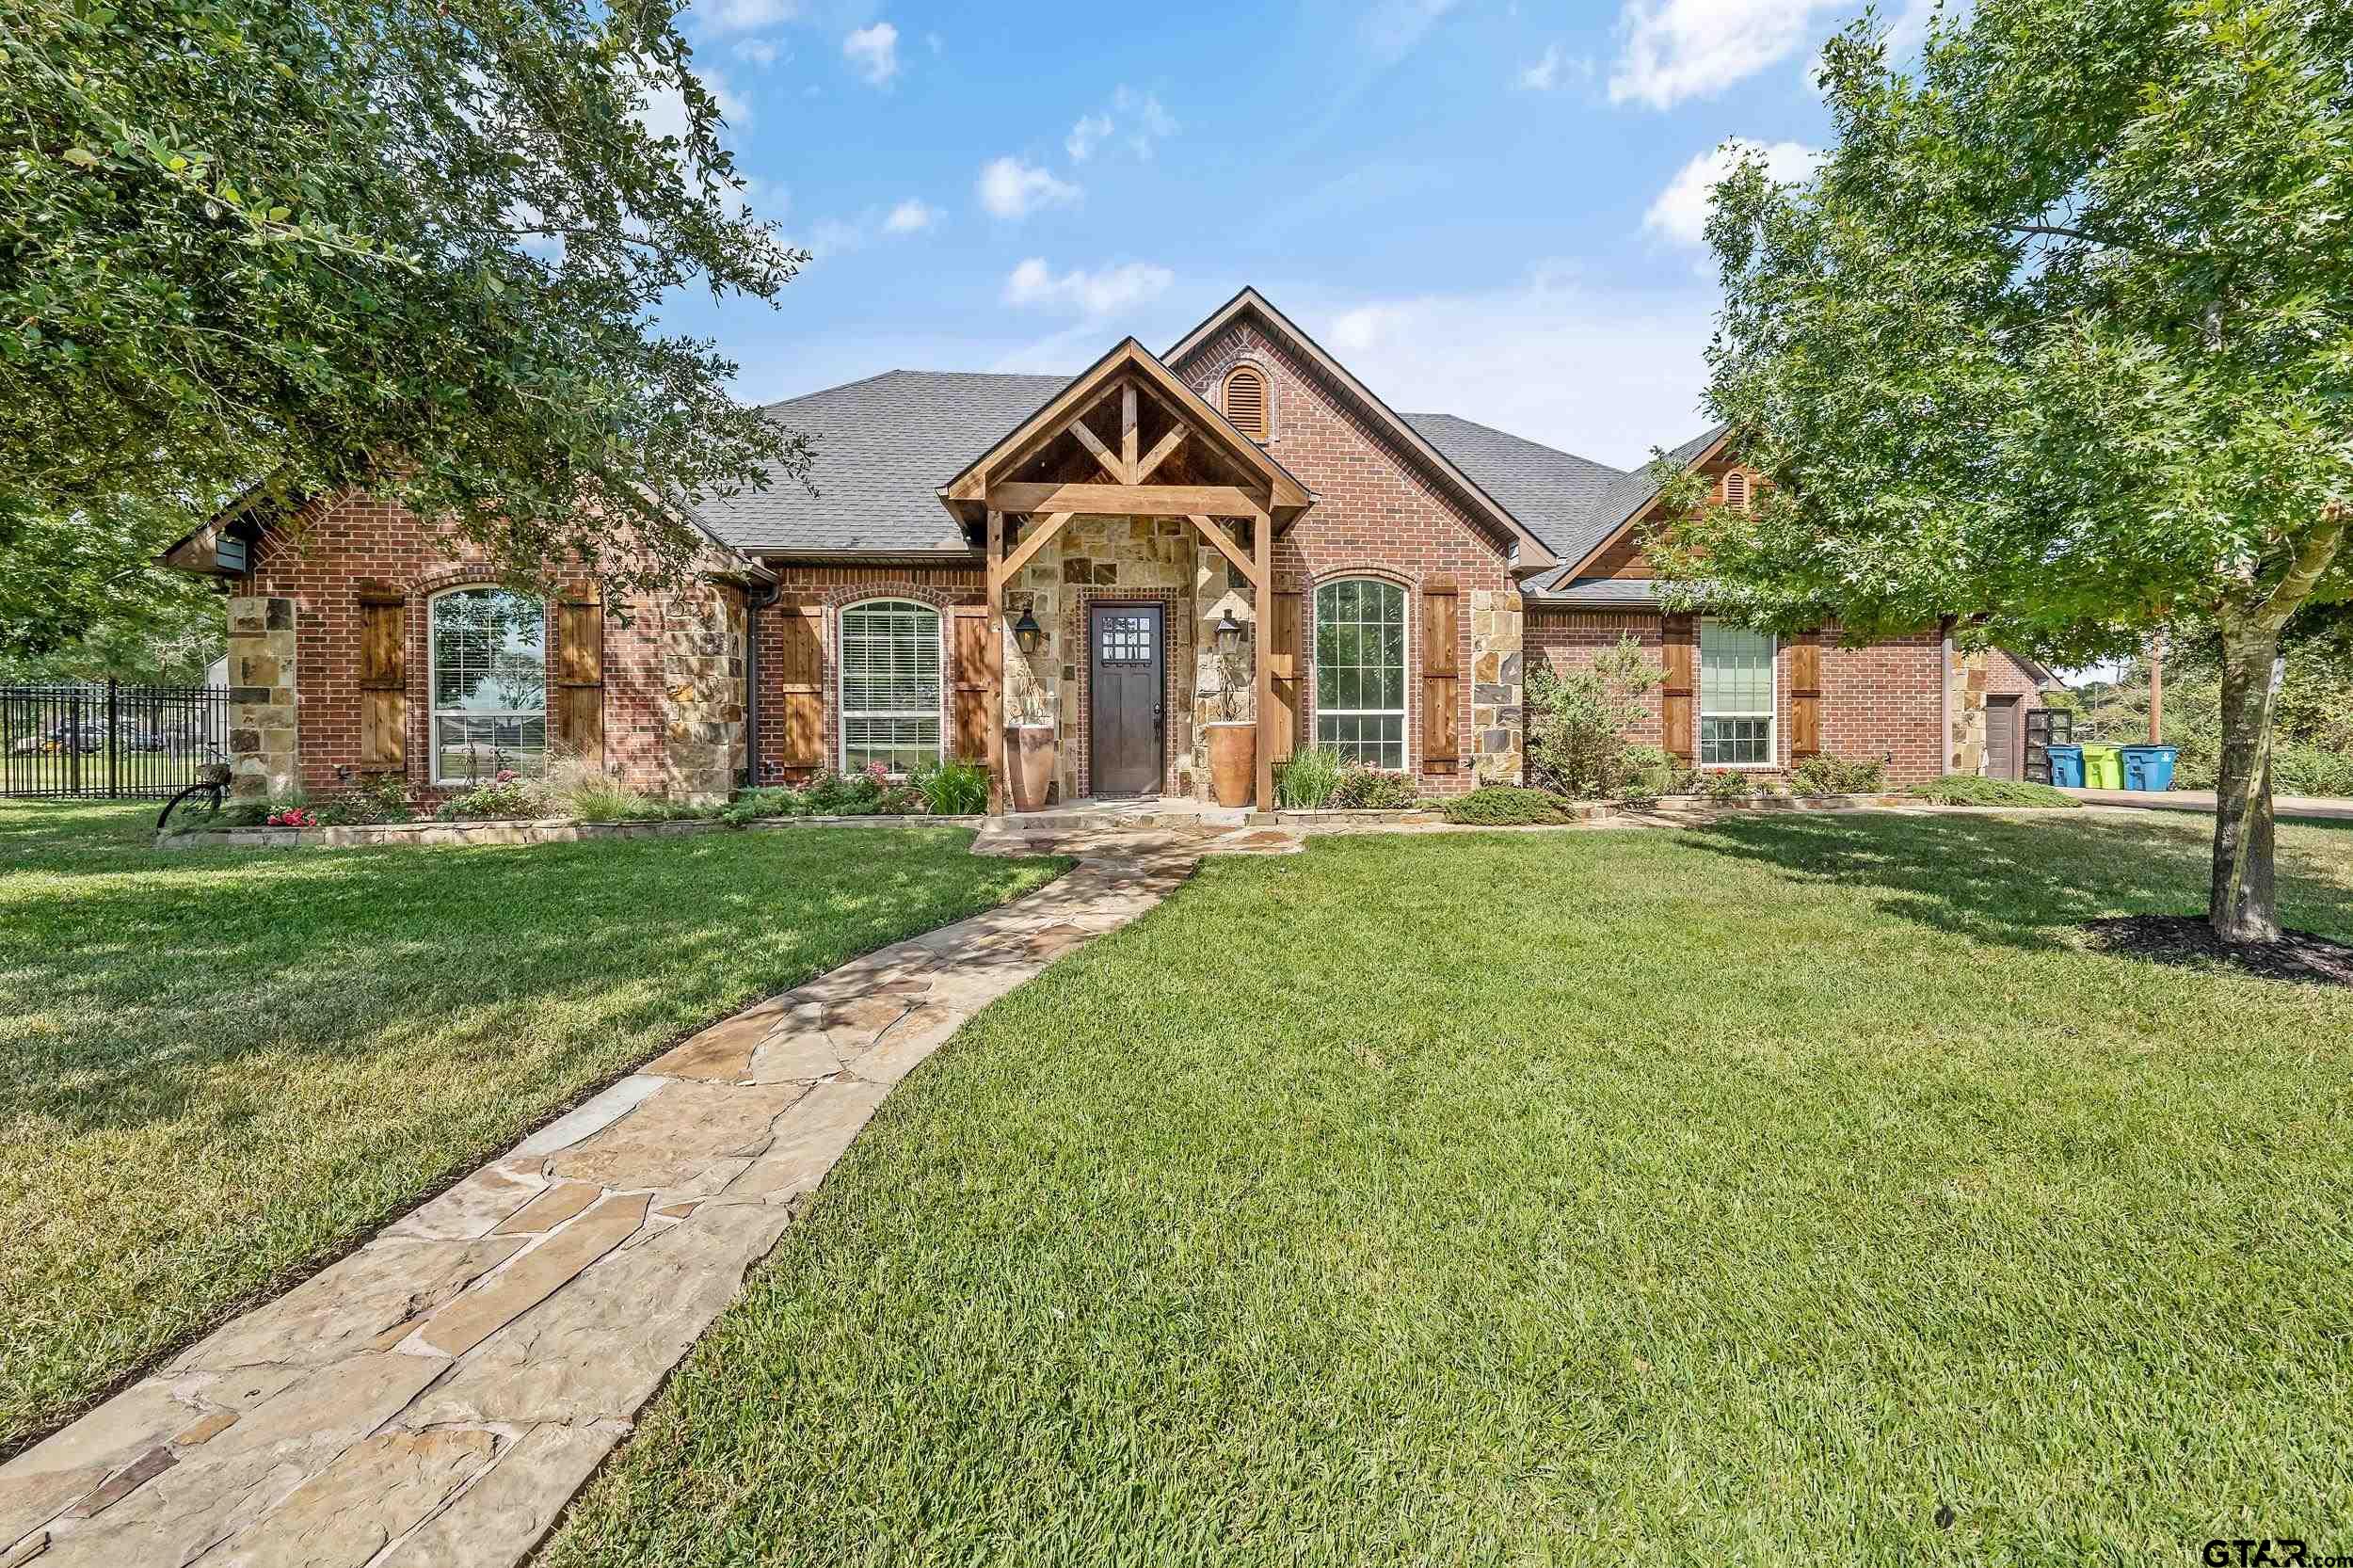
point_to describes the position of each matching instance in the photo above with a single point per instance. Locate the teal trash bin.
(2066, 766)
(2149, 767)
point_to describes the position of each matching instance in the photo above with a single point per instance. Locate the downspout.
(1944, 704)
(753, 605)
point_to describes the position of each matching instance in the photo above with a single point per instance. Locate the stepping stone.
(50, 1477)
(906, 1043)
(670, 1138)
(723, 1051)
(809, 1139)
(375, 1492)
(551, 1208)
(501, 1516)
(344, 1308)
(467, 1210)
(534, 1276)
(590, 1117)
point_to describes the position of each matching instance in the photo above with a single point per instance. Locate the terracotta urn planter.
(1233, 761)
(1029, 756)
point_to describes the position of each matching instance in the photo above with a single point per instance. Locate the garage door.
(2001, 737)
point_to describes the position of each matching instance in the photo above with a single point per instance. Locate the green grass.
(1971, 790)
(1741, 1194)
(219, 1067)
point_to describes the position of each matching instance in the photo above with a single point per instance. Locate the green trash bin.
(2104, 766)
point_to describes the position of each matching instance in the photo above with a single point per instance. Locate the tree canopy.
(416, 245)
(2057, 343)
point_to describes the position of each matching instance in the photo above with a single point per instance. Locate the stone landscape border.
(551, 830)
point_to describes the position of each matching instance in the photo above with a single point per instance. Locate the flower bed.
(545, 830)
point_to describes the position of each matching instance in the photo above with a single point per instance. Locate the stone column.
(1497, 703)
(264, 732)
(1966, 703)
(702, 693)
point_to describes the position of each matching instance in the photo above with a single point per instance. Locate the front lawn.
(218, 1067)
(1790, 1188)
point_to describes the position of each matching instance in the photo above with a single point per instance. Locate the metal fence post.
(114, 740)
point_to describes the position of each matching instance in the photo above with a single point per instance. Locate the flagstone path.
(433, 1399)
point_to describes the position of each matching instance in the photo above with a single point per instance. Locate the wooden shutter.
(1805, 698)
(800, 738)
(1441, 679)
(1283, 668)
(1674, 710)
(580, 679)
(383, 683)
(969, 669)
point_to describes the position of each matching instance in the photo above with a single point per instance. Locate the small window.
(889, 685)
(1736, 696)
(489, 684)
(1736, 491)
(1360, 671)
(1245, 401)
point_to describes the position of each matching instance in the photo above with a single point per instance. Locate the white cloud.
(874, 51)
(1675, 50)
(1086, 135)
(1149, 123)
(935, 42)
(1605, 375)
(1545, 73)
(1395, 28)
(910, 216)
(1092, 293)
(664, 112)
(760, 52)
(740, 16)
(1681, 211)
(837, 236)
(1011, 189)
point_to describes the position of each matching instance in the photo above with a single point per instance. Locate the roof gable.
(1534, 553)
(1624, 503)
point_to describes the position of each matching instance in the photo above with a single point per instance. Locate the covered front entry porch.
(1129, 534)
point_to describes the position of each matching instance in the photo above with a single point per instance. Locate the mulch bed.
(2187, 939)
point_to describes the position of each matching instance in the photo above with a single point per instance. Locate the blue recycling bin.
(2150, 767)
(2066, 766)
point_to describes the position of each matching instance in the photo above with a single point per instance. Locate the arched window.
(1245, 401)
(1360, 671)
(889, 684)
(489, 679)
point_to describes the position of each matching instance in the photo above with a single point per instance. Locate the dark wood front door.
(1124, 654)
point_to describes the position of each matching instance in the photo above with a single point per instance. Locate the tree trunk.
(2241, 907)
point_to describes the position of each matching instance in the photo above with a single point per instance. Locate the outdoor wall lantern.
(1228, 632)
(1028, 633)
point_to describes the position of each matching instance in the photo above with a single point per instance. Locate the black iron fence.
(108, 741)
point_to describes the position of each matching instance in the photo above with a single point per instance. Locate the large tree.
(416, 245)
(2059, 343)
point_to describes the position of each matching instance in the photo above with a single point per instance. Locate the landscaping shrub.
(1645, 773)
(1725, 785)
(1309, 781)
(1362, 789)
(1577, 721)
(582, 791)
(1825, 775)
(1969, 790)
(954, 789)
(1506, 806)
(750, 806)
(507, 794)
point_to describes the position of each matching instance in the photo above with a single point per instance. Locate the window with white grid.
(1736, 696)
(489, 679)
(1360, 671)
(889, 685)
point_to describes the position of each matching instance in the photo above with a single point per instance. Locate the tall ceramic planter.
(1030, 750)
(1233, 761)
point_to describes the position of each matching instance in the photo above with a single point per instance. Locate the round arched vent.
(1736, 491)
(1245, 401)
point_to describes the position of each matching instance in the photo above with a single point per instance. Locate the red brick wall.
(1883, 701)
(1375, 508)
(830, 588)
(334, 551)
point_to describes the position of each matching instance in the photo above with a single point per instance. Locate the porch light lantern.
(1228, 632)
(1028, 633)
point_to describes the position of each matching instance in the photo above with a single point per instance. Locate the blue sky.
(1484, 209)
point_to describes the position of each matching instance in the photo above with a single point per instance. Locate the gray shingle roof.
(1552, 493)
(1600, 592)
(884, 446)
(1628, 494)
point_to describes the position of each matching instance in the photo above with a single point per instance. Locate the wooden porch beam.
(1159, 454)
(1111, 461)
(1262, 642)
(1033, 541)
(1215, 531)
(1128, 433)
(995, 662)
(1135, 501)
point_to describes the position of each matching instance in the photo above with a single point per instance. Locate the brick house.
(1071, 551)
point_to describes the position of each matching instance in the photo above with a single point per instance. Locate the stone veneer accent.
(702, 686)
(1497, 708)
(264, 735)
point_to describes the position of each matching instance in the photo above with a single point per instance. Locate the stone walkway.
(434, 1399)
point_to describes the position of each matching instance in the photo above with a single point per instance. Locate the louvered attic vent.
(1245, 401)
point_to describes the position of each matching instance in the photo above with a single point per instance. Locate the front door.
(2001, 737)
(1123, 649)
